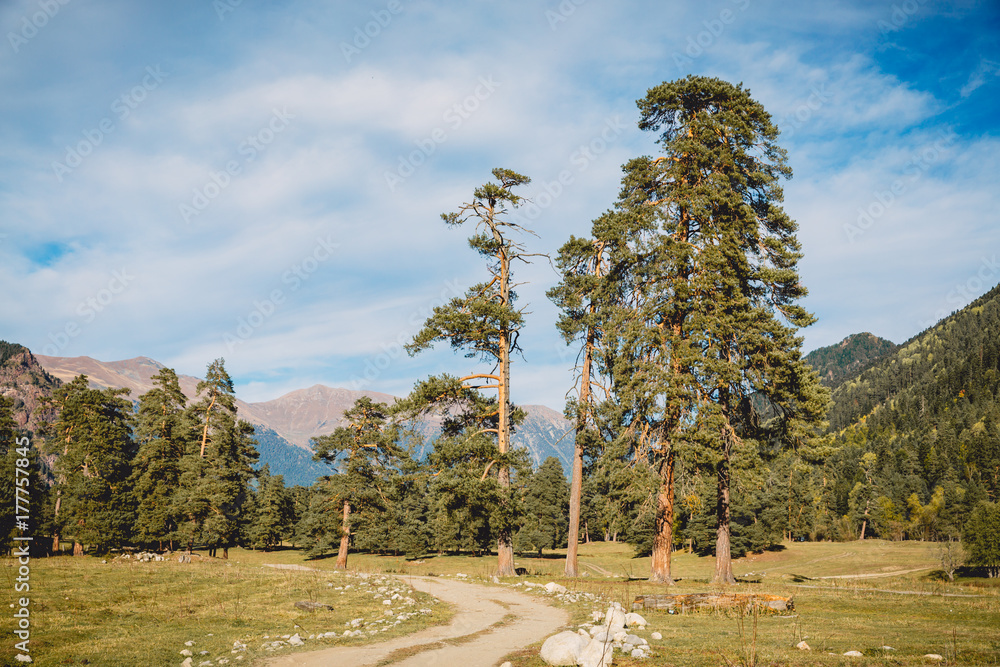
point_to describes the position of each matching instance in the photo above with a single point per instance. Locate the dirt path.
(477, 608)
(873, 575)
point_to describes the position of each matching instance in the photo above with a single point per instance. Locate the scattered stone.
(187, 652)
(506, 664)
(189, 643)
(803, 646)
(634, 620)
(553, 587)
(187, 663)
(563, 648)
(657, 636)
(295, 640)
(27, 658)
(596, 654)
(638, 653)
(855, 654)
(306, 605)
(934, 656)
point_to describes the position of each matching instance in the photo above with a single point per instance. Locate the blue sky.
(262, 181)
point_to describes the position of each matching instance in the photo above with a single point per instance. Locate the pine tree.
(92, 439)
(164, 434)
(366, 452)
(23, 467)
(545, 507)
(273, 517)
(707, 282)
(486, 324)
(583, 265)
(217, 468)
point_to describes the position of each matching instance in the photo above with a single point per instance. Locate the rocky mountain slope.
(25, 381)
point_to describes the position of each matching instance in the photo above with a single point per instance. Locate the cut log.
(678, 604)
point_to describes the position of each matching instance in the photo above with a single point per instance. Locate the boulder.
(657, 636)
(295, 640)
(563, 648)
(188, 662)
(634, 620)
(855, 654)
(803, 646)
(614, 618)
(638, 653)
(596, 654)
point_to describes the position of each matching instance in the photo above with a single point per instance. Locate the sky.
(262, 181)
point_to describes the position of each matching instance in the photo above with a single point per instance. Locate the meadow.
(122, 612)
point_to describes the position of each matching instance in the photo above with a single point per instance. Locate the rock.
(597, 616)
(803, 646)
(657, 636)
(934, 656)
(635, 640)
(634, 620)
(306, 605)
(614, 619)
(189, 643)
(187, 652)
(596, 654)
(506, 664)
(855, 654)
(239, 646)
(295, 640)
(638, 653)
(188, 662)
(563, 648)
(553, 587)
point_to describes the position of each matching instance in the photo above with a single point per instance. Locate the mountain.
(25, 381)
(846, 359)
(930, 410)
(285, 425)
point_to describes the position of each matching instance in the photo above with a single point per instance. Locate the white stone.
(635, 640)
(803, 646)
(634, 620)
(189, 643)
(553, 587)
(596, 654)
(597, 616)
(614, 618)
(657, 636)
(638, 653)
(506, 664)
(855, 654)
(563, 648)
(295, 640)
(934, 656)
(187, 652)
(188, 662)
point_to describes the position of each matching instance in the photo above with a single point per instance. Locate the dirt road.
(477, 608)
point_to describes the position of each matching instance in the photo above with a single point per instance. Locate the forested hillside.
(849, 357)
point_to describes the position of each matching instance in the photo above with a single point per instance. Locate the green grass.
(118, 613)
(128, 613)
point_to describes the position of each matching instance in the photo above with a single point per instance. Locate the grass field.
(128, 613)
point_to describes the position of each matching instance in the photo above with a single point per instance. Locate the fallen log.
(746, 602)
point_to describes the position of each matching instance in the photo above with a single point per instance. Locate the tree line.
(697, 422)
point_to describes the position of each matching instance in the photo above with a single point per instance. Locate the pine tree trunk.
(345, 537)
(723, 550)
(576, 487)
(77, 549)
(505, 543)
(664, 527)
